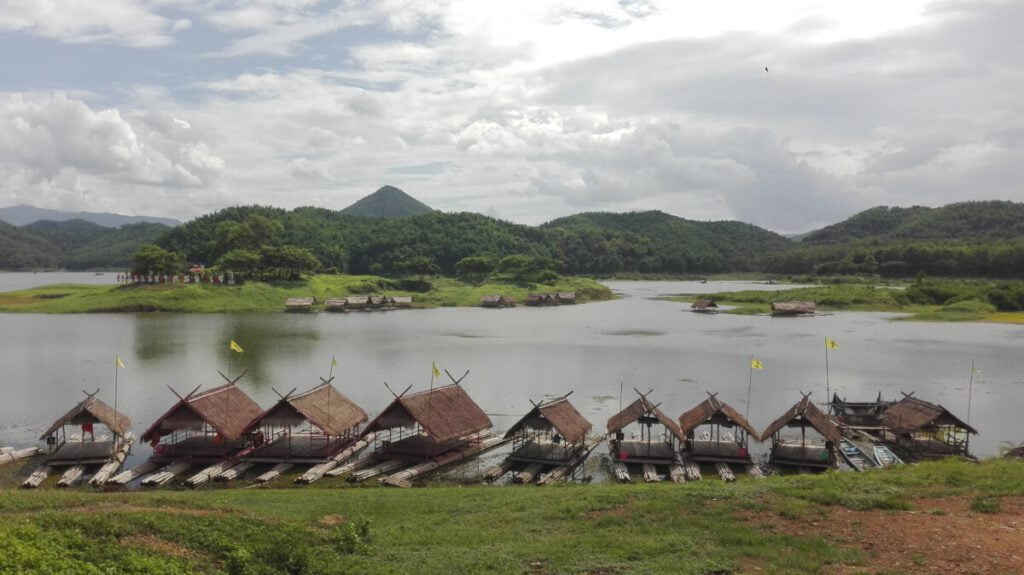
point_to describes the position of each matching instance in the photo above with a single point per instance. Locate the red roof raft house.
(653, 444)
(919, 430)
(816, 451)
(717, 434)
(319, 427)
(201, 428)
(100, 442)
(420, 433)
(549, 444)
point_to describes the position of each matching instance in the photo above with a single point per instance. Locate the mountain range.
(22, 215)
(381, 231)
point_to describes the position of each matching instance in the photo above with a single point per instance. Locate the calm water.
(513, 355)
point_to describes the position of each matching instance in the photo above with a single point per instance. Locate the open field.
(266, 297)
(953, 517)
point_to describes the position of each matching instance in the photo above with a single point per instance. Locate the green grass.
(694, 528)
(266, 297)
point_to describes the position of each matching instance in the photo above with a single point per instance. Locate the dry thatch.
(401, 300)
(803, 411)
(490, 301)
(713, 411)
(558, 414)
(227, 409)
(640, 408)
(335, 304)
(444, 413)
(299, 302)
(911, 414)
(565, 297)
(793, 308)
(323, 406)
(92, 410)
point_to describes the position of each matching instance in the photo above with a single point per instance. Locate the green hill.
(21, 249)
(73, 244)
(387, 202)
(961, 222)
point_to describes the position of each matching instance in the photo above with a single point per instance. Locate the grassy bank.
(266, 297)
(860, 297)
(778, 525)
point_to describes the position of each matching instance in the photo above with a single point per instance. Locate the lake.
(513, 355)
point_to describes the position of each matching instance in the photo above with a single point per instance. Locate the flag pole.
(117, 358)
(330, 374)
(970, 393)
(750, 381)
(828, 394)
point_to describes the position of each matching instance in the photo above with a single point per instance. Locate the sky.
(790, 114)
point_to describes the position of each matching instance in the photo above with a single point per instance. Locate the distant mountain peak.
(22, 215)
(387, 202)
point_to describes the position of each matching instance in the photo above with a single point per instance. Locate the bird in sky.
(766, 69)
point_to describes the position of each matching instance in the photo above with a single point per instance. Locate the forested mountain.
(387, 202)
(590, 243)
(961, 222)
(22, 215)
(73, 244)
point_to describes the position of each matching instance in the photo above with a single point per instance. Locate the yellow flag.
(236, 347)
(831, 343)
(436, 372)
(118, 362)
(334, 362)
(975, 370)
(756, 363)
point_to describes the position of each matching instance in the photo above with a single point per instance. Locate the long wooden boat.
(885, 457)
(856, 457)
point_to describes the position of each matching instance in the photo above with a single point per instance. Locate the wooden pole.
(117, 358)
(828, 394)
(750, 381)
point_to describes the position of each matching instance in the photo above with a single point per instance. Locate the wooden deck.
(81, 453)
(419, 448)
(302, 448)
(717, 451)
(543, 452)
(638, 452)
(197, 449)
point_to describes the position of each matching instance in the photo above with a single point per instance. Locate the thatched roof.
(323, 406)
(911, 414)
(401, 300)
(793, 307)
(300, 301)
(490, 300)
(227, 409)
(336, 302)
(804, 410)
(92, 410)
(556, 413)
(638, 409)
(704, 304)
(713, 411)
(444, 413)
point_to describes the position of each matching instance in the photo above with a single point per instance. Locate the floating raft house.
(716, 432)
(655, 441)
(817, 451)
(299, 304)
(420, 433)
(793, 308)
(922, 430)
(497, 301)
(309, 427)
(89, 447)
(704, 306)
(203, 427)
(548, 443)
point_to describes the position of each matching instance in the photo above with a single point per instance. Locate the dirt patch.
(938, 536)
(331, 520)
(614, 512)
(156, 544)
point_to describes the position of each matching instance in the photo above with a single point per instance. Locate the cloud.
(120, 22)
(62, 145)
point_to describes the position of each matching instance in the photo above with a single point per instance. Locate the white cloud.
(122, 22)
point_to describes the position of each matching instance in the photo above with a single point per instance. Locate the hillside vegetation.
(73, 244)
(387, 202)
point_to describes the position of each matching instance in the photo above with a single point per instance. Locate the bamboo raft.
(208, 473)
(129, 475)
(10, 454)
(353, 466)
(166, 474)
(317, 472)
(115, 462)
(405, 477)
(273, 473)
(71, 476)
(38, 476)
(234, 472)
(724, 471)
(691, 469)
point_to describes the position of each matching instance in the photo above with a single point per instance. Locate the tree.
(418, 265)
(475, 268)
(529, 269)
(288, 262)
(150, 258)
(241, 261)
